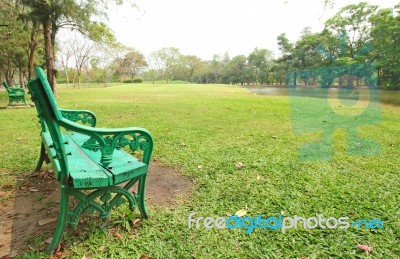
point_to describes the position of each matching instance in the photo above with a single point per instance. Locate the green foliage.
(134, 80)
(386, 43)
(137, 80)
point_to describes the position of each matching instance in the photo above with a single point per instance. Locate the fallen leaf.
(33, 190)
(59, 251)
(137, 221)
(239, 165)
(145, 257)
(131, 236)
(2, 193)
(367, 249)
(118, 235)
(102, 248)
(43, 222)
(84, 257)
(48, 241)
(241, 213)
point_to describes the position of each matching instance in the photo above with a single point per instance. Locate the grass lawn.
(203, 131)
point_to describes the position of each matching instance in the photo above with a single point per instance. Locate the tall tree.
(261, 61)
(193, 65)
(83, 49)
(237, 71)
(353, 20)
(285, 62)
(168, 59)
(133, 62)
(75, 14)
(386, 46)
(18, 41)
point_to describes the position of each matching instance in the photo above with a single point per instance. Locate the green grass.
(215, 127)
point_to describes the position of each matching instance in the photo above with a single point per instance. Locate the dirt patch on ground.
(30, 216)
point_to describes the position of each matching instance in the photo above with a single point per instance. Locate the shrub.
(135, 80)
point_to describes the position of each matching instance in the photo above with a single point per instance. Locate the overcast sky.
(207, 27)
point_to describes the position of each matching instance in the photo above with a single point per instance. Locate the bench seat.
(84, 171)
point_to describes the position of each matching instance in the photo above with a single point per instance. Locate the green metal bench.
(15, 94)
(90, 163)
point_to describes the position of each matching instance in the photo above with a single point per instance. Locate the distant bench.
(15, 94)
(89, 158)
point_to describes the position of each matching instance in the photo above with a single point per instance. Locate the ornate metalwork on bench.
(119, 141)
(85, 117)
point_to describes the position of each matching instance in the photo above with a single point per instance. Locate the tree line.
(93, 55)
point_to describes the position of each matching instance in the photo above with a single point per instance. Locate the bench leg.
(61, 223)
(142, 201)
(42, 157)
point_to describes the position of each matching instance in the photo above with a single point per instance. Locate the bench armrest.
(107, 140)
(86, 117)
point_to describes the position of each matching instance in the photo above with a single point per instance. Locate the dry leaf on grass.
(239, 165)
(367, 249)
(43, 222)
(137, 221)
(241, 213)
(118, 235)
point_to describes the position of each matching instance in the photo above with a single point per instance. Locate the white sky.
(207, 27)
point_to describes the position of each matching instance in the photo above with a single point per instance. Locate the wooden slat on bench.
(124, 166)
(84, 172)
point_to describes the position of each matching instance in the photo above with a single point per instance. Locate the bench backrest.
(49, 114)
(6, 86)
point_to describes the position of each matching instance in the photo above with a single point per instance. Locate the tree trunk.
(66, 75)
(32, 48)
(48, 48)
(21, 77)
(79, 79)
(9, 74)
